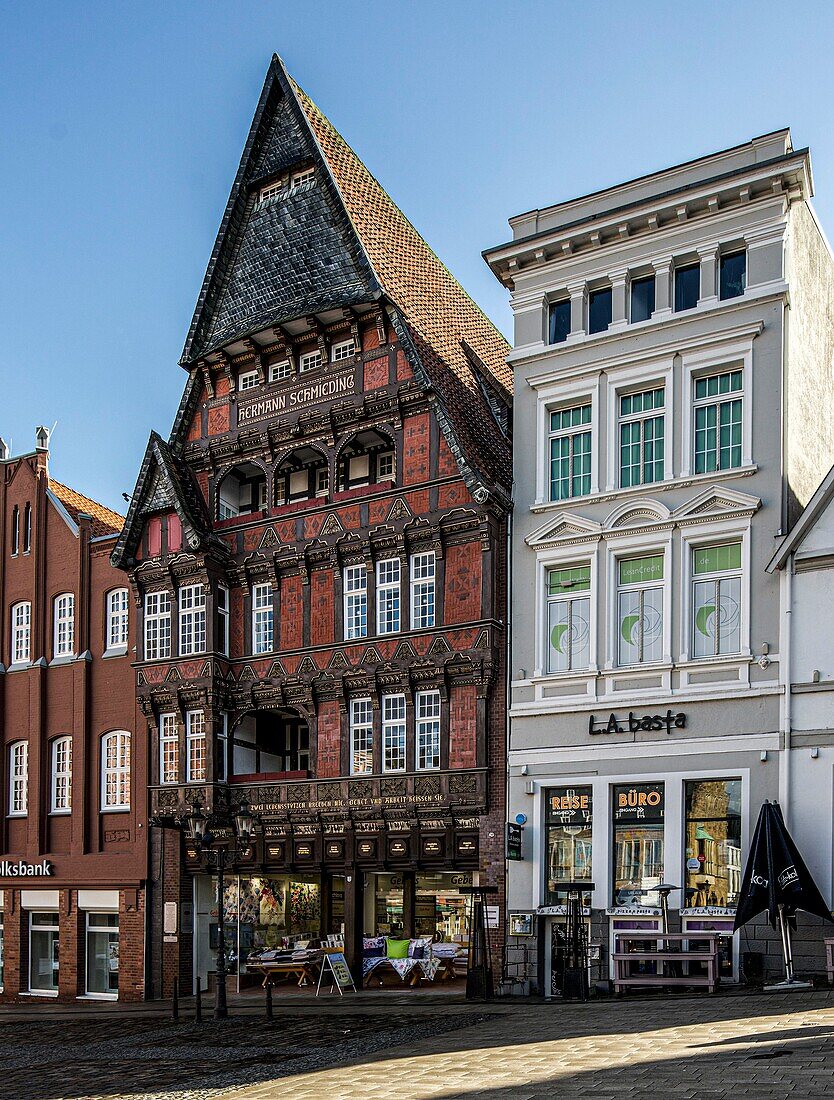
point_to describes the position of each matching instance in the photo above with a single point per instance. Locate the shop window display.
(638, 810)
(568, 814)
(713, 842)
(440, 907)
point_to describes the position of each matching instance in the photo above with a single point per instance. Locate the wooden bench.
(623, 956)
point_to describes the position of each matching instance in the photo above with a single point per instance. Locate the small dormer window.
(303, 176)
(309, 361)
(247, 381)
(344, 350)
(279, 371)
(273, 189)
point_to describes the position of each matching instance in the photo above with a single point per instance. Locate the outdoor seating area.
(410, 960)
(667, 959)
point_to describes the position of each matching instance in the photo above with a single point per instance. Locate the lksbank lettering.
(306, 395)
(20, 869)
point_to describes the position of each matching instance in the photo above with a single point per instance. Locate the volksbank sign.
(19, 868)
(259, 408)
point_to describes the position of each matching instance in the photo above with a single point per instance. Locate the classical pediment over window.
(637, 513)
(564, 527)
(716, 501)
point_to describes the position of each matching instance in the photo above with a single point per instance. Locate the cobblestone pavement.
(671, 1048)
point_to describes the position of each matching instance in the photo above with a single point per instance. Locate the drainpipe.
(785, 662)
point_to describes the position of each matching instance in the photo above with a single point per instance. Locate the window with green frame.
(569, 444)
(641, 437)
(640, 610)
(716, 599)
(568, 618)
(718, 412)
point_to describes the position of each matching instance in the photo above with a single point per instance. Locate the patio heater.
(479, 978)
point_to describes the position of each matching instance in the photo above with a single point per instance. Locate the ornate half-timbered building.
(318, 559)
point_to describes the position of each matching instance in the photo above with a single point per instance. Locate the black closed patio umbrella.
(776, 881)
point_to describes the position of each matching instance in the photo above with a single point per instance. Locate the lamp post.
(196, 829)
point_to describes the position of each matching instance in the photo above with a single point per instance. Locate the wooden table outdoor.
(306, 970)
(623, 956)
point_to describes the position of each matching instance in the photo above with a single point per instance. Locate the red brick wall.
(376, 373)
(292, 613)
(321, 607)
(328, 762)
(446, 464)
(416, 441)
(404, 371)
(218, 420)
(463, 583)
(463, 727)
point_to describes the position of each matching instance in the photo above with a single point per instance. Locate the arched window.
(18, 778)
(366, 460)
(60, 798)
(115, 770)
(117, 619)
(21, 632)
(302, 475)
(64, 625)
(242, 492)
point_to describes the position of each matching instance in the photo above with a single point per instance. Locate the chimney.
(4, 450)
(42, 438)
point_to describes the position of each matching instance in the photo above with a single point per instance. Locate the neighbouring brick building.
(73, 849)
(319, 558)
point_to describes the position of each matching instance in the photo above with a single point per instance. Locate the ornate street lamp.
(216, 854)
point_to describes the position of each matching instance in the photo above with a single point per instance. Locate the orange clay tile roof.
(105, 520)
(435, 303)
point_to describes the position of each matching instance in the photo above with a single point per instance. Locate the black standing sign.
(776, 874)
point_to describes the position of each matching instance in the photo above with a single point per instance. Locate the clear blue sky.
(121, 126)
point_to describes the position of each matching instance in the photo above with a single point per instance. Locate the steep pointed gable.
(285, 256)
(164, 483)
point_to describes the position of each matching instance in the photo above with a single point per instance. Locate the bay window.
(195, 746)
(192, 620)
(157, 626)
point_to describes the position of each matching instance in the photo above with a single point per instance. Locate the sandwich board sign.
(335, 963)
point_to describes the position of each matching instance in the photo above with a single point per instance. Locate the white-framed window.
(393, 733)
(385, 466)
(388, 596)
(192, 617)
(716, 608)
(322, 481)
(64, 625)
(18, 778)
(423, 575)
(310, 361)
(169, 748)
(718, 421)
(222, 631)
(361, 737)
(568, 620)
(569, 452)
(157, 626)
(195, 745)
(262, 625)
(222, 749)
(21, 632)
(270, 190)
(60, 780)
(356, 601)
(115, 770)
(303, 176)
(345, 349)
(641, 436)
(427, 723)
(279, 371)
(639, 623)
(117, 619)
(248, 380)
